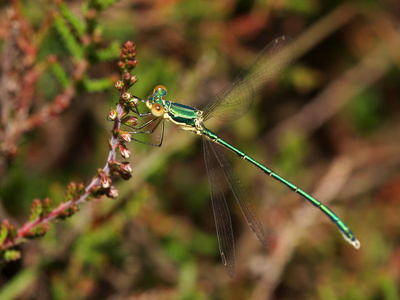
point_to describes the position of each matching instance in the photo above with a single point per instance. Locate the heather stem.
(101, 183)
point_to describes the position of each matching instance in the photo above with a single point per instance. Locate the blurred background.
(331, 126)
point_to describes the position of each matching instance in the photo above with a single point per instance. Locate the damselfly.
(230, 104)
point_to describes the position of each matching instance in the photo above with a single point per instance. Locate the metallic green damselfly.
(230, 104)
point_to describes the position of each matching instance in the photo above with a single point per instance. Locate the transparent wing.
(241, 196)
(235, 99)
(222, 217)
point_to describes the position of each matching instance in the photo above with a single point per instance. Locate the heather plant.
(23, 110)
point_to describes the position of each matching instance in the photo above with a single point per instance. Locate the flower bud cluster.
(40, 208)
(128, 61)
(104, 187)
(68, 212)
(127, 81)
(7, 231)
(127, 103)
(74, 191)
(122, 169)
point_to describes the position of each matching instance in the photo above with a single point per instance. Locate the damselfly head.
(156, 102)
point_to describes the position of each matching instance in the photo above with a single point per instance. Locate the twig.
(41, 212)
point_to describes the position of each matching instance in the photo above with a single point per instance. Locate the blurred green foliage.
(157, 240)
(367, 111)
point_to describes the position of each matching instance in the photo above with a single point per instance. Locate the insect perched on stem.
(230, 104)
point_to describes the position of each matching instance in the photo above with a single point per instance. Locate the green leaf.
(389, 288)
(36, 210)
(367, 110)
(18, 284)
(47, 207)
(3, 231)
(61, 75)
(105, 3)
(68, 15)
(11, 255)
(112, 52)
(68, 38)
(97, 85)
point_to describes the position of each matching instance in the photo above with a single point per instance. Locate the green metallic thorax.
(186, 117)
(182, 114)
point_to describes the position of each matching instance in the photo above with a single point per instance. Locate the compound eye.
(160, 90)
(157, 110)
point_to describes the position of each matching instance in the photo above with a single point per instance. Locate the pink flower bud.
(124, 135)
(126, 167)
(130, 121)
(126, 96)
(112, 115)
(125, 171)
(131, 63)
(114, 164)
(112, 192)
(132, 104)
(125, 153)
(119, 85)
(134, 79)
(126, 76)
(134, 101)
(129, 44)
(105, 181)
